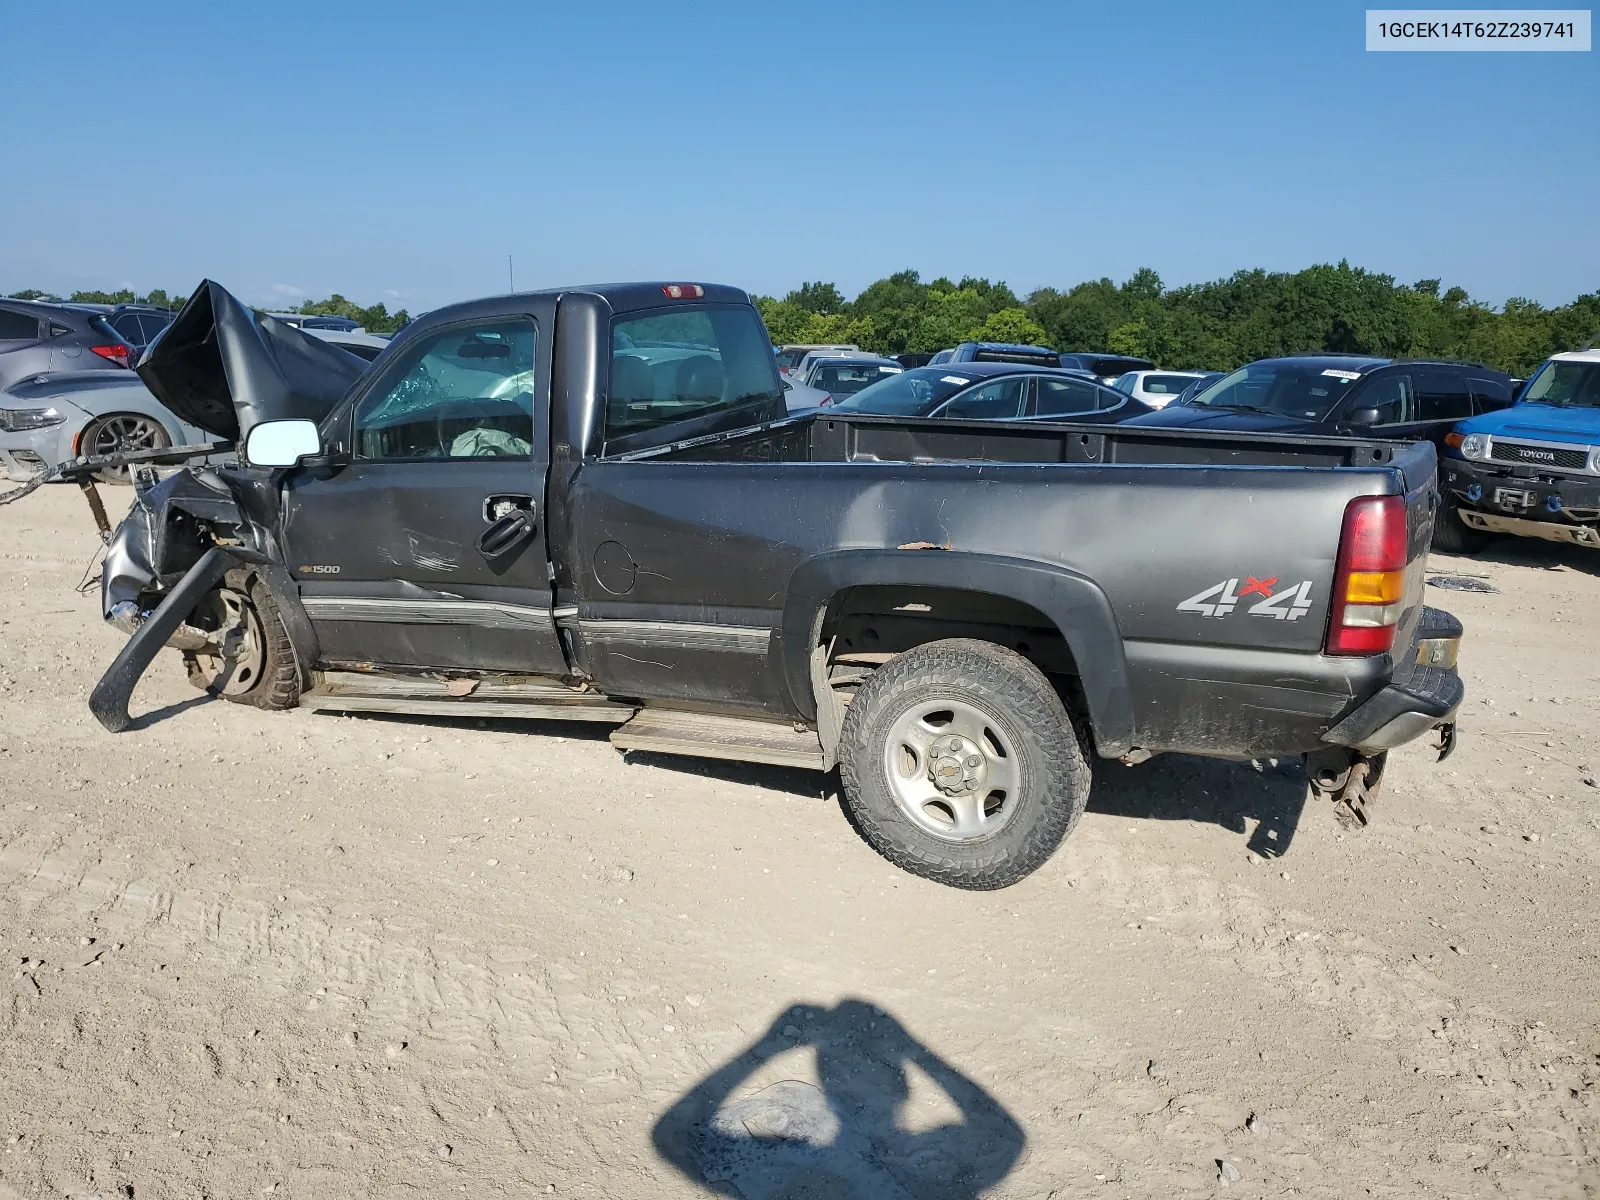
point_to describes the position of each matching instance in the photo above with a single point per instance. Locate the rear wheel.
(254, 662)
(960, 763)
(1452, 535)
(120, 433)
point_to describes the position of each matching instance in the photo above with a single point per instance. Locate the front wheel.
(253, 661)
(1452, 535)
(960, 764)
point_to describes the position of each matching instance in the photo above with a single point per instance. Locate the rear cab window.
(687, 370)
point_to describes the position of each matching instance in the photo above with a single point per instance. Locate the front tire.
(960, 764)
(1452, 535)
(256, 665)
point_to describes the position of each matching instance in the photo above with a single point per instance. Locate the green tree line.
(1216, 326)
(376, 318)
(1213, 326)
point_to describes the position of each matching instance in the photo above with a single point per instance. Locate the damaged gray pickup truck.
(591, 504)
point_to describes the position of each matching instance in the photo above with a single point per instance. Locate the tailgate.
(1418, 467)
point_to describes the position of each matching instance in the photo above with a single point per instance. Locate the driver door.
(426, 547)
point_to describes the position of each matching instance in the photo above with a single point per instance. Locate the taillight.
(825, 401)
(117, 354)
(1370, 579)
(683, 291)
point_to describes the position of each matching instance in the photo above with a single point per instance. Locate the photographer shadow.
(848, 1139)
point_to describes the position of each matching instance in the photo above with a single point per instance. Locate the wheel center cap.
(956, 765)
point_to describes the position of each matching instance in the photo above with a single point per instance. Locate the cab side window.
(463, 392)
(1392, 395)
(127, 326)
(998, 400)
(1442, 396)
(1063, 396)
(1489, 395)
(18, 326)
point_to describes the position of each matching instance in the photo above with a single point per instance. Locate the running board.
(706, 735)
(514, 696)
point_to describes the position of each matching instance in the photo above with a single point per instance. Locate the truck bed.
(860, 437)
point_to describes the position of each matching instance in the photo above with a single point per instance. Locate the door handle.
(505, 538)
(503, 503)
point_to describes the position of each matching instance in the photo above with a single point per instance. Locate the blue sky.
(401, 151)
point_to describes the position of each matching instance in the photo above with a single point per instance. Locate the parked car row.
(993, 391)
(1105, 368)
(1345, 395)
(1487, 468)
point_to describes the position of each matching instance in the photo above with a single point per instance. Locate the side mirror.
(282, 443)
(1363, 416)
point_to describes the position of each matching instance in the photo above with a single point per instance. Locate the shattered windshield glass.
(461, 393)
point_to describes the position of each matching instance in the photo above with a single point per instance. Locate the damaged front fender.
(165, 533)
(109, 700)
(171, 539)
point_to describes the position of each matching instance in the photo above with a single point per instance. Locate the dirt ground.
(313, 956)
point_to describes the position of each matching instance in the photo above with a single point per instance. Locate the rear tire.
(960, 764)
(258, 666)
(1452, 535)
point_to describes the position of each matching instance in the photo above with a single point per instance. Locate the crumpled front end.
(166, 532)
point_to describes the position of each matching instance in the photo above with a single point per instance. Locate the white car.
(800, 398)
(803, 369)
(1155, 388)
(789, 356)
(49, 418)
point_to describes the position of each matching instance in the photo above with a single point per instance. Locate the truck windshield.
(677, 364)
(909, 394)
(1308, 391)
(1565, 385)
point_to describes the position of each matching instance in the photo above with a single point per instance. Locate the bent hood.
(1549, 422)
(224, 368)
(1198, 416)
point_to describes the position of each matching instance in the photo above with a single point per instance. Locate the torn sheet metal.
(226, 368)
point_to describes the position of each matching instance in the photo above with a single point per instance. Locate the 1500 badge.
(1220, 599)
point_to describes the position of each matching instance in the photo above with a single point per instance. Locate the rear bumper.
(1256, 704)
(1427, 698)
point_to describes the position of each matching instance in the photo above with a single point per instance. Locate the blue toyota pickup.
(1533, 469)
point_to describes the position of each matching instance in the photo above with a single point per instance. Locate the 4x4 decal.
(1222, 598)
